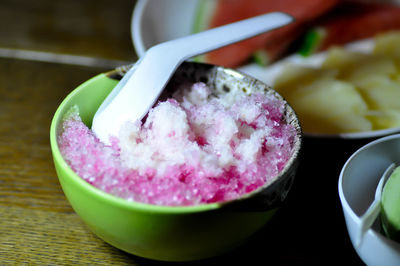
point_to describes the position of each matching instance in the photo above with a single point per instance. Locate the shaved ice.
(193, 148)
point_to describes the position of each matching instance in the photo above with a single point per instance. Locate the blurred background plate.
(158, 21)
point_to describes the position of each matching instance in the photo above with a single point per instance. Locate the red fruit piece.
(273, 43)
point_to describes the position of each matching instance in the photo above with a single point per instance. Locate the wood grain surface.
(98, 28)
(37, 224)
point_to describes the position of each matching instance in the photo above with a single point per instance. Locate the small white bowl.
(357, 183)
(158, 21)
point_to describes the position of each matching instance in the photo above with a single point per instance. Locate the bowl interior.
(357, 184)
(362, 171)
(89, 96)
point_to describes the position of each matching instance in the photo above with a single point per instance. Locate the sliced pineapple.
(370, 68)
(380, 92)
(329, 106)
(388, 44)
(342, 60)
(350, 63)
(384, 119)
(350, 92)
(294, 76)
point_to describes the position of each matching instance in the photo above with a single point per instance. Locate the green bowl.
(170, 233)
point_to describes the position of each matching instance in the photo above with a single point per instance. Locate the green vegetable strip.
(312, 41)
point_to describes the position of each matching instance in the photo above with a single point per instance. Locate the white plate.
(269, 74)
(158, 21)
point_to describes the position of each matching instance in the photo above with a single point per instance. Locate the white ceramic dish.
(357, 183)
(158, 21)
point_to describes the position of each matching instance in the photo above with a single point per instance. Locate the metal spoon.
(369, 217)
(136, 93)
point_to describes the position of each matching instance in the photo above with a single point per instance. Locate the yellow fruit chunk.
(342, 60)
(388, 44)
(380, 92)
(350, 92)
(299, 75)
(370, 68)
(383, 119)
(328, 106)
(353, 66)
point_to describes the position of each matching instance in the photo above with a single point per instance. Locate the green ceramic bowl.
(170, 233)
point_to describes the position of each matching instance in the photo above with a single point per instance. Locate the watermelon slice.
(351, 22)
(273, 44)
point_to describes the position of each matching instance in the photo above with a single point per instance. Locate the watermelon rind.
(261, 58)
(204, 12)
(312, 41)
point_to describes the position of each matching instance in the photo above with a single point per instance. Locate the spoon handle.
(137, 92)
(369, 217)
(215, 38)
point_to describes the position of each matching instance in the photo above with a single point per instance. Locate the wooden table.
(37, 224)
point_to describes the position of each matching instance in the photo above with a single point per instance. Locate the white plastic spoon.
(136, 93)
(369, 217)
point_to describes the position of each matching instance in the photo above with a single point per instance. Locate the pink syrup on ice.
(194, 148)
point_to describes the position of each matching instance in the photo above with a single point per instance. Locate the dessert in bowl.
(181, 230)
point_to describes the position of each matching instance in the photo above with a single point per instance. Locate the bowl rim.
(345, 204)
(101, 195)
(136, 27)
(356, 135)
